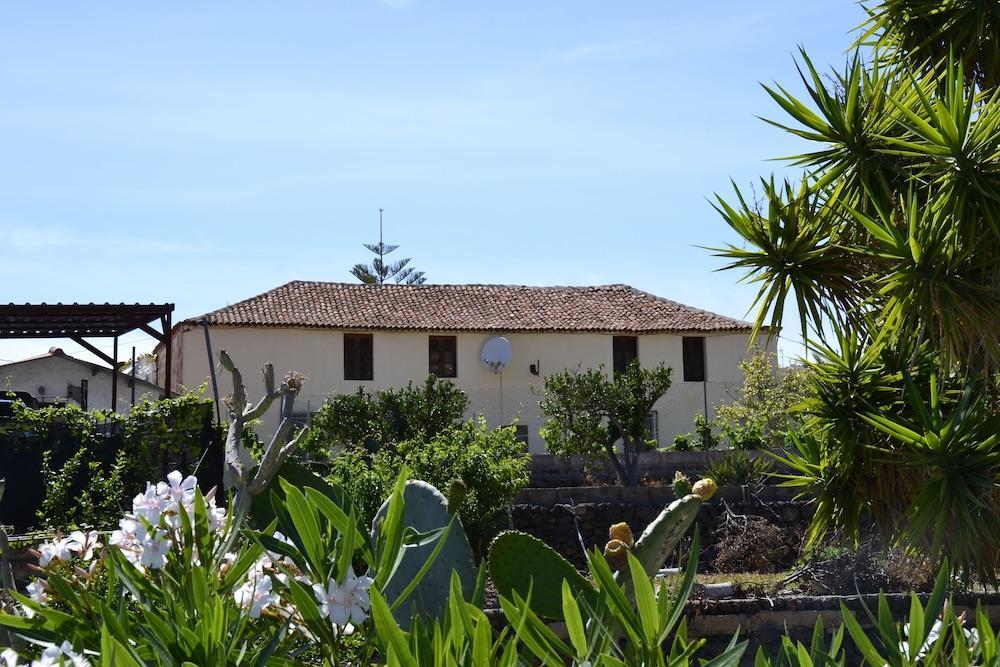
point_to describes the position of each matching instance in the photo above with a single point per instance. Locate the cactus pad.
(519, 561)
(664, 533)
(425, 508)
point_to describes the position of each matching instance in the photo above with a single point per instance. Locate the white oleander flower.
(256, 595)
(216, 516)
(154, 550)
(128, 538)
(149, 505)
(84, 543)
(58, 549)
(346, 604)
(178, 489)
(36, 591)
(61, 656)
(9, 658)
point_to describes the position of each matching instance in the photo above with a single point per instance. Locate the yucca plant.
(738, 468)
(890, 248)
(931, 634)
(634, 621)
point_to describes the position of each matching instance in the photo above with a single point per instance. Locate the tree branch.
(239, 462)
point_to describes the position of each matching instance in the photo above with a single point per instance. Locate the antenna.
(380, 246)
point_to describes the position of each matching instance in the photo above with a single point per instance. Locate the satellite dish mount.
(496, 354)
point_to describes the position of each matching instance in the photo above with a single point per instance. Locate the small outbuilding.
(56, 377)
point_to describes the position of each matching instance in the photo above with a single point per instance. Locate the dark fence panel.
(21, 456)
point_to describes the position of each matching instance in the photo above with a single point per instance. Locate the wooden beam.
(153, 332)
(93, 350)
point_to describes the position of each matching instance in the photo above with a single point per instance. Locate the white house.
(343, 336)
(56, 377)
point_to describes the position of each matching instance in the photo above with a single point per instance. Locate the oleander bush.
(183, 582)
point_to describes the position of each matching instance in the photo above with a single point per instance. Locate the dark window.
(441, 356)
(358, 357)
(653, 426)
(694, 359)
(625, 350)
(521, 434)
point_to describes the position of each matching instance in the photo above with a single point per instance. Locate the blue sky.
(201, 153)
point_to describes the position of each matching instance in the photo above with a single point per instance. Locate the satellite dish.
(496, 354)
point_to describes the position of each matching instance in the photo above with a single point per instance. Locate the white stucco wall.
(55, 373)
(401, 357)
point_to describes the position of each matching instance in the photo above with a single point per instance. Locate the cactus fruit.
(705, 488)
(519, 562)
(457, 491)
(425, 509)
(682, 485)
(622, 533)
(616, 553)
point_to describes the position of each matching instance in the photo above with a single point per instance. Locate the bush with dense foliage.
(589, 412)
(490, 462)
(890, 248)
(384, 418)
(92, 463)
(759, 415)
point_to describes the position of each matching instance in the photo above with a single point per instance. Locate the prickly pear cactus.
(681, 484)
(519, 562)
(425, 508)
(664, 533)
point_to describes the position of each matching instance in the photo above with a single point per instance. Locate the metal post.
(168, 342)
(114, 378)
(704, 376)
(133, 376)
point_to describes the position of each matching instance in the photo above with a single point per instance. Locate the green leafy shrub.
(390, 416)
(588, 413)
(758, 418)
(737, 468)
(491, 463)
(703, 430)
(682, 443)
(92, 463)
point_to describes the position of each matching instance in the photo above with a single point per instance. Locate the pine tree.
(382, 271)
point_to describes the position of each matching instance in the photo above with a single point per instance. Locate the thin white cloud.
(626, 49)
(38, 238)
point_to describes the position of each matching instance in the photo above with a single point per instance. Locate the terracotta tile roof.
(489, 308)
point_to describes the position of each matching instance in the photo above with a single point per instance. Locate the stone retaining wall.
(763, 622)
(551, 470)
(643, 495)
(557, 523)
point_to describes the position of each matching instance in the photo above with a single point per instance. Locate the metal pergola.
(78, 322)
